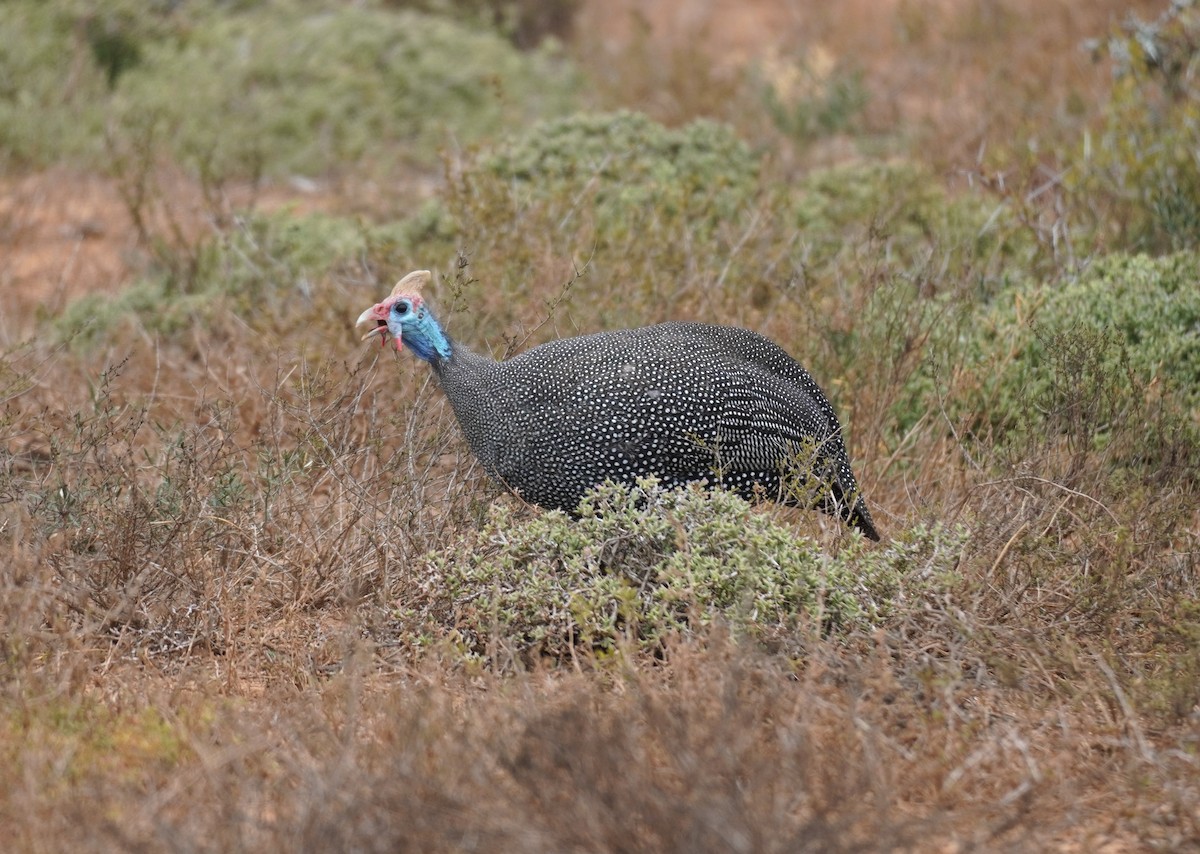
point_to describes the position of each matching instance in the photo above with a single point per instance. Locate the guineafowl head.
(405, 317)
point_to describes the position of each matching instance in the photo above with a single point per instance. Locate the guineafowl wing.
(776, 420)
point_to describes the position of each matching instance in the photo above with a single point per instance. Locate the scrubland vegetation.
(256, 595)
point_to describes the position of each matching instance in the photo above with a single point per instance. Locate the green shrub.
(641, 564)
(1137, 317)
(908, 212)
(282, 89)
(1112, 362)
(51, 87)
(270, 88)
(270, 269)
(628, 169)
(1111, 356)
(1151, 305)
(268, 258)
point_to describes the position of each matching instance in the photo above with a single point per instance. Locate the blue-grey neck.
(424, 336)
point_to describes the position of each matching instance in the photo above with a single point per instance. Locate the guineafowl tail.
(827, 483)
(860, 518)
(845, 501)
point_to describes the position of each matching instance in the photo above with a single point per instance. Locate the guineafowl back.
(679, 401)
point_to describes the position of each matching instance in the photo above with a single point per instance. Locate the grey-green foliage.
(910, 213)
(268, 257)
(1151, 304)
(1143, 313)
(642, 564)
(270, 88)
(629, 169)
(262, 269)
(283, 88)
(50, 86)
(1112, 354)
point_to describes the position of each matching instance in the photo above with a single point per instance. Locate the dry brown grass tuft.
(717, 749)
(946, 79)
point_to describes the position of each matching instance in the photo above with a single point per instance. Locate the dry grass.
(210, 538)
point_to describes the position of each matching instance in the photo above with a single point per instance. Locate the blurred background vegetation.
(977, 224)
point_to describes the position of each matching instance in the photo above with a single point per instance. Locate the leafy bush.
(642, 564)
(262, 268)
(281, 89)
(1141, 316)
(1112, 356)
(51, 88)
(629, 169)
(1151, 304)
(272, 88)
(907, 209)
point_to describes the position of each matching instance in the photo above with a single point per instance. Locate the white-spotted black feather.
(683, 402)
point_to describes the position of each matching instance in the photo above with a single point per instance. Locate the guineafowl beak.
(376, 318)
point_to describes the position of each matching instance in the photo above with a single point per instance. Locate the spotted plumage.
(681, 401)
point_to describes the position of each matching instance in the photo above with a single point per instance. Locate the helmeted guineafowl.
(680, 401)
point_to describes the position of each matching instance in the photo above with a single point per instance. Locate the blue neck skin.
(424, 336)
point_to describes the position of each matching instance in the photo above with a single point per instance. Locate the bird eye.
(401, 308)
